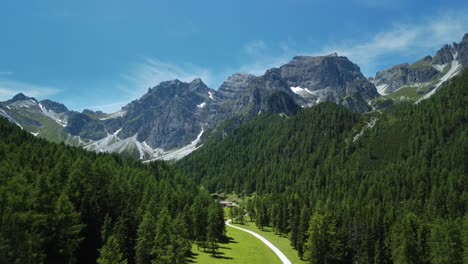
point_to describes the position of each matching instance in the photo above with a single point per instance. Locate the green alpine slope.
(384, 187)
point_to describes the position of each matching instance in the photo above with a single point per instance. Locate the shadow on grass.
(220, 257)
(218, 254)
(192, 257)
(227, 240)
(222, 245)
(228, 248)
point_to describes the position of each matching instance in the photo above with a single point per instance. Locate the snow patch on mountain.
(301, 91)
(202, 105)
(210, 94)
(117, 132)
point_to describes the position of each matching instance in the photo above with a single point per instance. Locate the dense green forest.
(60, 204)
(385, 187)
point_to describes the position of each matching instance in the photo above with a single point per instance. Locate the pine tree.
(110, 253)
(145, 239)
(106, 229)
(67, 228)
(180, 240)
(213, 234)
(315, 250)
(303, 227)
(162, 250)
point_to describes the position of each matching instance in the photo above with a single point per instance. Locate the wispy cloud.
(151, 72)
(387, 47)
(402, 40)
(9, 88)
(260, 57)
(255, 47)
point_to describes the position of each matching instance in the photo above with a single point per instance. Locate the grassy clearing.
(242, 248)
(409, 93)
(281, 242)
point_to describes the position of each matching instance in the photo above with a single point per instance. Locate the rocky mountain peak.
(235, 83)
(21, 97)
(444, 55)
(239, 78)
(196, 81)
(54, 106)
(465, 38)
(197, 84)
(320, 72)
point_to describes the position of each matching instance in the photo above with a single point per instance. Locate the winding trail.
(278, 252)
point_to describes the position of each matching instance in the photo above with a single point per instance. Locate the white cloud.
(255, 47)
(9, 88)
(151, 72)
(402, 40)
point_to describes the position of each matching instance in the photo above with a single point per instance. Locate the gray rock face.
(444, 55)
(230, 99)
(305, 81)
(462, 51)
(401, 75)
(317, 73)
(329, 78)
(424, 71)
(465, 38)
(54, 106)
(244, 96)
(170, 115)
(20, 97)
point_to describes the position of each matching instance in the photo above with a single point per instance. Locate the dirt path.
(278, 252)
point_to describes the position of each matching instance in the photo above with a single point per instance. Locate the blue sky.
(101, 54)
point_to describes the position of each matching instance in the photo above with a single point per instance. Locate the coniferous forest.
(60, 204)
(389, 186)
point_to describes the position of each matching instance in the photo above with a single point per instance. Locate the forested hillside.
(64, 205)
(384, 187)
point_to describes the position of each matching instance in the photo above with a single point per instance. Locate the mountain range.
(172, 118)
